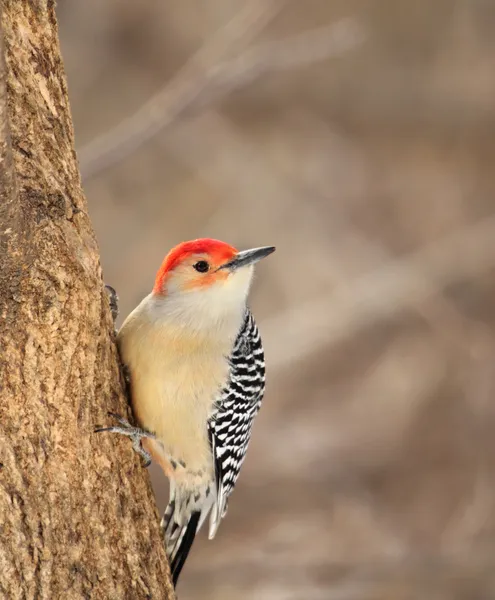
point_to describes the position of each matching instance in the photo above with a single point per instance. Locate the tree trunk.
(77, 514)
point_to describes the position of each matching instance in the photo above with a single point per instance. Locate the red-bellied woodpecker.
(197, 378)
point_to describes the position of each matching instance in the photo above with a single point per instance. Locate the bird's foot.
(113, 300)
(135, 434)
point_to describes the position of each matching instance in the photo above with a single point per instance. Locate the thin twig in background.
(397, 285)
(218, 76)
(278, 55)
(440, 313)
(178, 94)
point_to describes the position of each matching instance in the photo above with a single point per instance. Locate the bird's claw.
(113, 300)
(135, 434)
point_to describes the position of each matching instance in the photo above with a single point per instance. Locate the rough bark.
(77, 514)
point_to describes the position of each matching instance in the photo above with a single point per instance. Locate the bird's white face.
(206, 283)
(207, 297)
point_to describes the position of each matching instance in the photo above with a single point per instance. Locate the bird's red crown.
(219, 252)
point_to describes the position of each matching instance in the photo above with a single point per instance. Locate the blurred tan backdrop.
(358, 137)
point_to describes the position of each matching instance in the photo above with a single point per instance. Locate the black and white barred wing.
(230, 427)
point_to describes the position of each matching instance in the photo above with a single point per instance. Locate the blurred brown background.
(364, 151)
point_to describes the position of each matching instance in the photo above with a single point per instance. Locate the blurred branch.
(399, 284)
(179, 94)
(370, 253)
(220, 76)
(289, 53)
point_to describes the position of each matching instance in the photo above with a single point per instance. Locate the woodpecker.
(196, 370)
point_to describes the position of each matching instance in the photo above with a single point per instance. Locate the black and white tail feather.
(229, 430)
(183, 517)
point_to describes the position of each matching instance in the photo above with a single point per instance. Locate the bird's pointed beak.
(248, 257)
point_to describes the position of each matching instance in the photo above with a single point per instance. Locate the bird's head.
(207, 275)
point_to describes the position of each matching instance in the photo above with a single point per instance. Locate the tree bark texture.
(77, 513)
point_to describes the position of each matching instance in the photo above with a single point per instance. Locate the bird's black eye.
(202, 266)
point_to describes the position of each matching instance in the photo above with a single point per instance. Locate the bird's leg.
(136, 434)
(113, 300)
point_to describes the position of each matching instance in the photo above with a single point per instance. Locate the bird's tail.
(181, 521)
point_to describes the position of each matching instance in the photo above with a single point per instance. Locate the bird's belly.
(176, 402)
